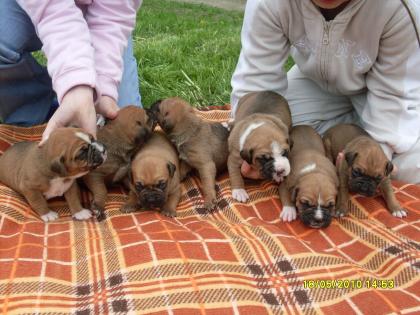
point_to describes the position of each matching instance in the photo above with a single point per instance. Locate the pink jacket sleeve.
(66, 42)
(83, 50)
(110, 24)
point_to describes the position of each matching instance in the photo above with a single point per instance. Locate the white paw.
(240, 195)
(50, 216)
(400, 213)
(288, 214)
(83, 214)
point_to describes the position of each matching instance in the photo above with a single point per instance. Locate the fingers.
(107, 107)
(249, 172)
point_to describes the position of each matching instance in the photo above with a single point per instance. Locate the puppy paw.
(169, 213)
(98, 212)
(210, 205)
(339, 213)
(288, 214)
(401, 213)
(83, 214)
(127, 208)
(240, 194)
(50, 216)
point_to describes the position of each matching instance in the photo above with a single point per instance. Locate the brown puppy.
(154, 177)
(41, 173)
(363, 169)
(201, 144)
(122, 136)
(260, 136)
(312, 184)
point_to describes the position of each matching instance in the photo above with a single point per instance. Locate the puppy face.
(266, 149)
(170, 112)
(134, 123)
(367, 168)
(72, 152)
(315, 199)
(150, 180)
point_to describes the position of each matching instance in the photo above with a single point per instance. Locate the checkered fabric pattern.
(239, 259)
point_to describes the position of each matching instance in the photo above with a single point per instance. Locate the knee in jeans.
(8, 55)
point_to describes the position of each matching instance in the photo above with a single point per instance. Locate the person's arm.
(392, 112)
(66, 43)
(110, 24)
(265, 49)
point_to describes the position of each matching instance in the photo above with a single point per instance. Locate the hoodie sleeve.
(66, 42)
(264, 51)
(392, 112)
(110, 24)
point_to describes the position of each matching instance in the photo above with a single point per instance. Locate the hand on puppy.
(249, 172)
(77, 108)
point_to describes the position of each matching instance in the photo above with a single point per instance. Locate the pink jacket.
(83, 40)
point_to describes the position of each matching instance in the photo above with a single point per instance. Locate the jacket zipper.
(324, 59)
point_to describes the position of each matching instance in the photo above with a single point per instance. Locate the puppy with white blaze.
(260, 136)
(310, 190)
(43, 172)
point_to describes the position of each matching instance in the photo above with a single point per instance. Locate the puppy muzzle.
(316, 218)
(97, 154)
(363, 186)
(152, 199)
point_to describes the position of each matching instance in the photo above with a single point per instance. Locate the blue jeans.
(26, 94)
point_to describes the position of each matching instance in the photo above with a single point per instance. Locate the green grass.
(186, 50)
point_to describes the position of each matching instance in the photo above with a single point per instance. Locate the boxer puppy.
(260, 136)
(43, 172)
(122, 136)
(363, 169)
(312, 184)
(155, 177)
(201, 144)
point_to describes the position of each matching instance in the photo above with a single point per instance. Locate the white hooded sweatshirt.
(372, 47)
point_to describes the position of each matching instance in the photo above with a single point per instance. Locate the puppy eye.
(83, 152)
(138, 122)
(139, 186)
(161, 185)
(330, 205)
(356, 172)
(305, 204)
(166, 114)
(285, 153)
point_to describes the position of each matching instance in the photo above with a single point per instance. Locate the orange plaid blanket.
(239, 259)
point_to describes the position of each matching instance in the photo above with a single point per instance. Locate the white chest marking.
(308, 168)
(247, 132)
(59, 185)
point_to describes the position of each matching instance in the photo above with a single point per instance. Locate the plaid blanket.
(239, 259)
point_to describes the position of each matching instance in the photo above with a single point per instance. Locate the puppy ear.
(388, 168)
(151, 120)
(290, 142)
(58, 167)
(171, 168)
(350, 157)
(295, 191)
(247, 155)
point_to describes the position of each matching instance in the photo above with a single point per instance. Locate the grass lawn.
(187, 50)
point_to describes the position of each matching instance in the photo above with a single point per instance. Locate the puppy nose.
(280, 172)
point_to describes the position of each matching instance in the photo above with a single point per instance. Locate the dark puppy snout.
(152, 199)
(96, 154)
(316, 218)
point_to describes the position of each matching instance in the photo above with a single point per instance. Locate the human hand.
(107, 107)
(249, 172)
(76, 108)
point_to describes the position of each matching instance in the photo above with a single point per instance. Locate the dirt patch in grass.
(237, 5)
